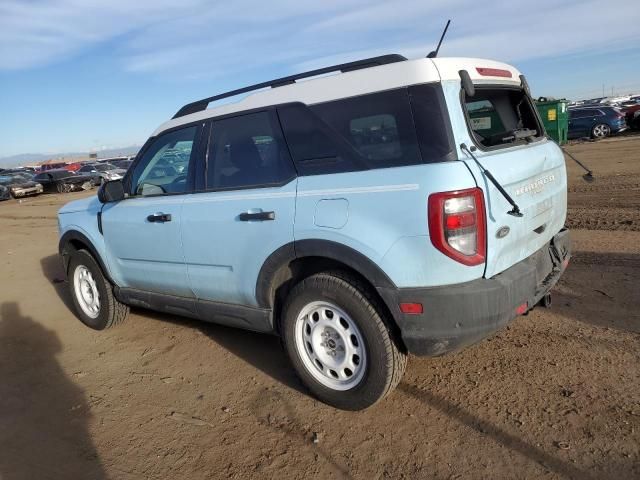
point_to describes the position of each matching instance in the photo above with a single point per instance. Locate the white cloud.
(200, 38)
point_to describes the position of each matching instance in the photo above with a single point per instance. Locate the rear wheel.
(92, 294)
(601, 130)
(338, 343)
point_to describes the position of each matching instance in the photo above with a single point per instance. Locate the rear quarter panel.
(383, 215)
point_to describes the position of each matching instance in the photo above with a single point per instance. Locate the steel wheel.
(86, 291)
(330, 346)
(601, 130)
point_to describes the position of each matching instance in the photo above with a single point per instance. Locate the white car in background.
(102, 172)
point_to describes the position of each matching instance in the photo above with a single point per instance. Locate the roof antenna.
(434, 54)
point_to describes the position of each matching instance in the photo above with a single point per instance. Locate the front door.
(142, 232)
(245, 210)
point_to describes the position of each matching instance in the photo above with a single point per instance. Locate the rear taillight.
(457, 225)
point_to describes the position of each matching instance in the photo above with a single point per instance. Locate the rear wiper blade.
(515, 211)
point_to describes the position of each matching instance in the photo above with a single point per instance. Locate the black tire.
(385, 363)
(111, 311)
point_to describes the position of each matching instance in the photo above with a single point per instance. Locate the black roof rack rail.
(200, 105)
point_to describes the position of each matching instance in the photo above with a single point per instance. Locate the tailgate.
(535, 176)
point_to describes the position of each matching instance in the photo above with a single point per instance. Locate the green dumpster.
(554, 117)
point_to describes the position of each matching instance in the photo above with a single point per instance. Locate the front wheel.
(92, 294)
(601, 130)
(338, 343)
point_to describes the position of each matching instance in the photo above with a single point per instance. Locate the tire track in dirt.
(610, 203)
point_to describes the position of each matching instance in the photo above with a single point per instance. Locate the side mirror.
(112, 191)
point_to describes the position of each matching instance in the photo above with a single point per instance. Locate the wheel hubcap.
(86, 291)
(601, 131)
(330, 345)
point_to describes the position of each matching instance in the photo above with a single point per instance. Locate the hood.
(90, 204)
(26, 184)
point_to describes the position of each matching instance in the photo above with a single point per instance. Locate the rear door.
(531, 170)
(243, 211)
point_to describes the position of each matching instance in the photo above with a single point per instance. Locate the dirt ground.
(555, 395)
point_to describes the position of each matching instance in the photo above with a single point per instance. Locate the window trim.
(201, 180)
(521, 143)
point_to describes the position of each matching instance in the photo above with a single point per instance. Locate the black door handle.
(159, 217)
(246, 216)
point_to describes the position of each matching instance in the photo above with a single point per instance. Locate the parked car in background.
(123, 163)
(5, 194)
(19, 186)
(63, 181)
(27, 170)
(102, 172)
(631, 111)
(595, 122)
(52, 166)
(111, 159)
(73, 167)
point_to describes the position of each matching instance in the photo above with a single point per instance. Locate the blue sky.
(79, 75)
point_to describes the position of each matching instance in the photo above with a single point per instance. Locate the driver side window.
(164, 167)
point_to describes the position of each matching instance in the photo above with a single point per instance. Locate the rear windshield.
(501, 117)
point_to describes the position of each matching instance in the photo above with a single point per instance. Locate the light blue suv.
(384, 207)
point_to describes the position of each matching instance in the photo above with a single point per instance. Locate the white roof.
(360, 82)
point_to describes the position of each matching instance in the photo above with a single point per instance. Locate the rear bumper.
(459, 315)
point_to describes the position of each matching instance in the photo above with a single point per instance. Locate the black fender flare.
(322, 249)
(71, 235)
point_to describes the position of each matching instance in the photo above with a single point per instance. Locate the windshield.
(104, 167)
(62, 174)
(501, 117)
(12, 179)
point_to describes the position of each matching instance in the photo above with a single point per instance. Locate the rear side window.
(247, 151)
(432, 122)
(359, 133)
(501, 117)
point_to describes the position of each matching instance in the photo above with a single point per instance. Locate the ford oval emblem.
(503, 232)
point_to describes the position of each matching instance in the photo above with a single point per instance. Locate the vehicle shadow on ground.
(44, 416)
(261, 350)
(484, 427)
(53, 271)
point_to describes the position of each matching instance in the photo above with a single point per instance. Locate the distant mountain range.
(31, 158)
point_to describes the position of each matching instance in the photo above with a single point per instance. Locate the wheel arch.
(295, 261)
(74, 240)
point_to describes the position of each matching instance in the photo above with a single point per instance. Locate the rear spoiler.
(470, 90)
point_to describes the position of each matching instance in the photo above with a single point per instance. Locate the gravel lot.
(555, 395)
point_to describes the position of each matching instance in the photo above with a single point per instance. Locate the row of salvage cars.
(23, 182)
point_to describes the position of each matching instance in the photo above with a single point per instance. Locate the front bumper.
(456, 316)
(23, 192)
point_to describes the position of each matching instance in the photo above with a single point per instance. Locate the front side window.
(501, 117)
(164, 166)
(247, 151)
